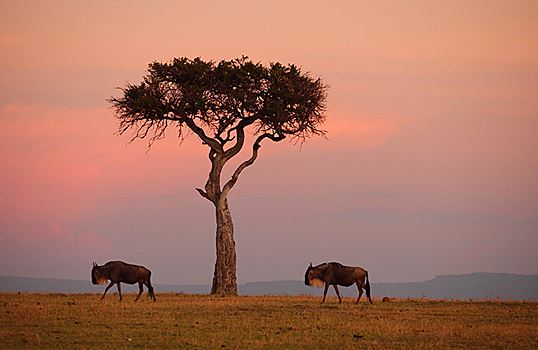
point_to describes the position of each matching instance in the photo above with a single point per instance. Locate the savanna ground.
(82, 321)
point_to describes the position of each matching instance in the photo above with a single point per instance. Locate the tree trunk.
(224, 278)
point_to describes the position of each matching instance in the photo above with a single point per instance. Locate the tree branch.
(214, 144)
(257, 144)
(240, 134)
(204, 194)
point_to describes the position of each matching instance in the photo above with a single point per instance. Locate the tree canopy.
(214, 100)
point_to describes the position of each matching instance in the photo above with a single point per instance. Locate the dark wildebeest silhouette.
(117, 272)
(335, 274)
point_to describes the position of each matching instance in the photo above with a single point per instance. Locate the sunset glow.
(429, 165)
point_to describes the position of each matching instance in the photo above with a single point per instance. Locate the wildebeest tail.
(367, 287)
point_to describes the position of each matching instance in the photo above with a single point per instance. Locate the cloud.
(51, 157)
(360, 131)
(62, 161)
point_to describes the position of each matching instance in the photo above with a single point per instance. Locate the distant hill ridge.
(479, 285)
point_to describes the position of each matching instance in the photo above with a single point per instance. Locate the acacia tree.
(219, 103)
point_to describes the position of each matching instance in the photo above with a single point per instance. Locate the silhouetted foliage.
(221, 98)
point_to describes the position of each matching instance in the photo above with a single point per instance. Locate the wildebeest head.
(98, 277)
(312, 277)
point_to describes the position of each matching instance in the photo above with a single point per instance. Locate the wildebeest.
(335, 274)
(117, 272)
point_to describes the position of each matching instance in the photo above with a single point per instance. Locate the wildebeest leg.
(360, 292)
(106, 289)
(325, 292)
(151, 293)
(119, 290)
(337, 293)
(140, 284)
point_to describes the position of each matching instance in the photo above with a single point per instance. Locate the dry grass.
(202, 322)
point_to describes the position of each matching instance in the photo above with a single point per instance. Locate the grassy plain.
(82, 321)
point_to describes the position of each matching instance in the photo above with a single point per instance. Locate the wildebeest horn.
(94, 264)
(311, 264)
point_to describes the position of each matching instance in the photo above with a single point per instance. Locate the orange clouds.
(47, 154)
(361, 132)
(60, 161)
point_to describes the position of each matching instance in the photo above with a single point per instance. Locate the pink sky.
(430, 164)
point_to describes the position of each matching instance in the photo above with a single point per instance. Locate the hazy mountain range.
(505, 286)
